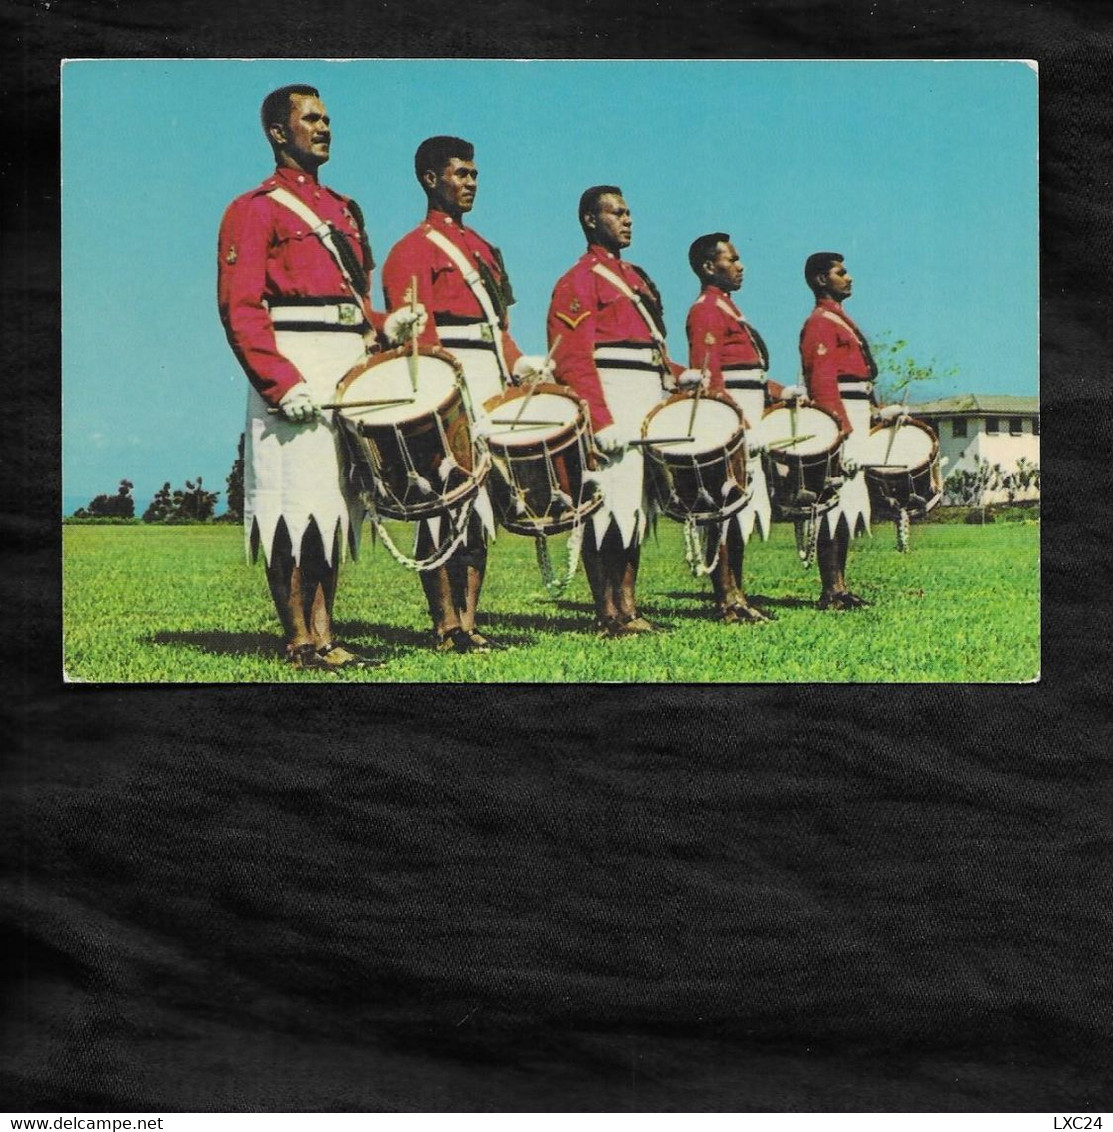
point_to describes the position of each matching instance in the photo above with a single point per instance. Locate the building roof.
(977, 404)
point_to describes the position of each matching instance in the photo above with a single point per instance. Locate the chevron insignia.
(571, 322)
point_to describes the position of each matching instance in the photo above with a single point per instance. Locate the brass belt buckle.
(347, 315)
(486, 333)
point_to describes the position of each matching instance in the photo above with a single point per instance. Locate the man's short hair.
(276, 106)
(819, 263)
(589, 200)
(436, 153)
(703, 249)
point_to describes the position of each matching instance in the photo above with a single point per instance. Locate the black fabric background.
(559, 898)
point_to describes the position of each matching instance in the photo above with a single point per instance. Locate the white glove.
(689, 379)
(849, 466)
(532, 368)
(754, 448)
(891, 412)
(298, 405)
(793, 392)
(404, 324)
(610, 441)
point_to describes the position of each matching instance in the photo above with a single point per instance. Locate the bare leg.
(286, 585)
(595, 568)
(626, 563)
(304, 592)
(831, 553)
(303, 595)
(468, 567)
(727, 581)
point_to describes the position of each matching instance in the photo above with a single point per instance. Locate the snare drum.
(702, 478)
(541, 454)
(901, 462)
(802, 445)
(413, 455)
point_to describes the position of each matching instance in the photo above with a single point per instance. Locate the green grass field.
(178, 604)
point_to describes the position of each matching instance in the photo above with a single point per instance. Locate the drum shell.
(525, 472)
(382, 453)
(681, 481)
(892, 488)
(802, 485)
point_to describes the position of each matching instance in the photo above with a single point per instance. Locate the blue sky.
(924, 175)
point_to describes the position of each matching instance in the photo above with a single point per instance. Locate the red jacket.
(587, 311)
(831, 346)
(266, 254)
(441, 289)
(719, 335)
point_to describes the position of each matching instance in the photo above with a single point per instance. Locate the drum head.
(388, 378)
(818, 429)
(547, 415)
(908, 445)
(715, 424)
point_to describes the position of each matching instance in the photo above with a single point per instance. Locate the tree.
(118, 506)
(1025, 475)
(896, 370)
(161, 507)
(191, 504)
(969, 488)
(234, 494)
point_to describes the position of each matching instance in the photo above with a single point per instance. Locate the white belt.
(470, 332)
(744, 377)
(629, 357)
(346, 315)
(855, 388)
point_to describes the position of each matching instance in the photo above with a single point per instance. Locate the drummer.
(734, 359)
(297, 314)
(607, 316)
(462, 280)
(839, 371)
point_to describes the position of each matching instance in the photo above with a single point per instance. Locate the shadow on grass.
(534, 623)
(702, 605)
(761, 600)
(265, 645)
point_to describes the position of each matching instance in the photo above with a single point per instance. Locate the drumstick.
(699, 388)
(411, 361)
(524, 423)
(893, 434)
(357, 404)
(789, 441)
(660, 440)
(533, 385)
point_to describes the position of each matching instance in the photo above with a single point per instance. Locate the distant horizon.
(923, 174)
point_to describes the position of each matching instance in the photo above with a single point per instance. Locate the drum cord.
(903, 530)
(694, 553)
(807, 534)
(554, 585)
(439, 556)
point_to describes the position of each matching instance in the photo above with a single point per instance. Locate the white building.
(999, 429)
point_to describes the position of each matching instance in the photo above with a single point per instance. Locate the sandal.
(455, 640)
(335, 656)
(843, 600)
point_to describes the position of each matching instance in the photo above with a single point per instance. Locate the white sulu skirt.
(758, 512)
(298, 473)
(630, 394)
(483, 380)
(854, 496)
